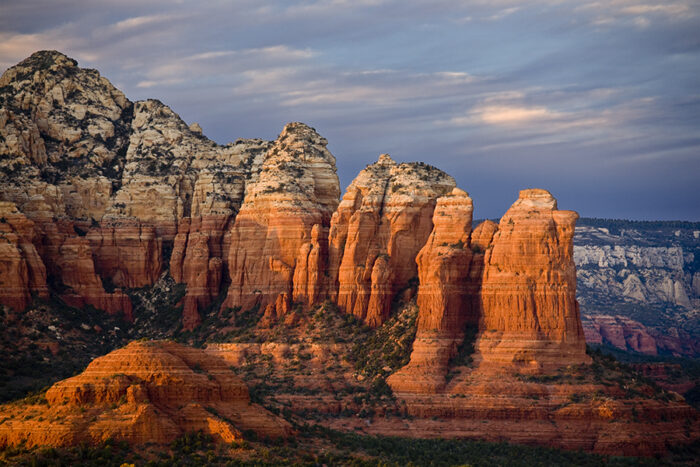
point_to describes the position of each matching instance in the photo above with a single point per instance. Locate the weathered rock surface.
(74, 150)
(127, 252)
(444, 301)
(646, 272)
(381, 224)
(278, 237)
(70, 266)
(22, 272)
(529, 315)
(630, 335)
(515, 282)
(146, 392)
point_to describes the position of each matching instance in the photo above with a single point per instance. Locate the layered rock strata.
(146, 392)
(444, 300)
(382, 222)
(529, 315)
(514, 282)
(629, 335)
(276, 255)
(22, 273)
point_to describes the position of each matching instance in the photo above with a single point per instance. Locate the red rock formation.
(147, 392)
(381, 224)
(197, 261)
(443, 300)
(627, 334)
(22, 271)
(529, 313)
(127, 252)
(69, 261)
(296, 190)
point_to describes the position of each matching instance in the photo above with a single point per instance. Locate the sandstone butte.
(146, 392)
(82, 166)
(99, 194)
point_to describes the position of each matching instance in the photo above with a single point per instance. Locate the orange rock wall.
(22, 272)
(282, 224)
(443, 296)
(529, 313)
(69, 261)
(198, 260)
(381, 224)
(126, 251)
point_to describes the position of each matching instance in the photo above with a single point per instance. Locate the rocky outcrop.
(127, 252)
(444, 302)
(630, 335)
(146, 392)
(638, 273)
(71, 269)
(22, 272)
(645, 272)
(529, 315)
(74, 150)
(382, 222)
(60, 124)
(200, 251)
(282, 225)
(515, 282)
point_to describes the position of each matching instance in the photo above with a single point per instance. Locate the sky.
(596, 101)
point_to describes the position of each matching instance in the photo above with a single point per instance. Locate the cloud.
(506, 115)
(640, 14)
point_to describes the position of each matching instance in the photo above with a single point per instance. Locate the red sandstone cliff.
(22, 271)
(381, 224)
(529, 315)
(443, 296)
(282, 225)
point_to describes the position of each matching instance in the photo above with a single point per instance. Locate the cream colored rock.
(296, 190)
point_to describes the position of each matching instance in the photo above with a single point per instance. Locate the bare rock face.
(529, 314)
(70, 265)
(61, 123)
(630, 335)
(282, 225)
(146, 392)
(200, 250)
(382, 222)
(443, 296)
(22, 272)
(126, 251)
(74, 150)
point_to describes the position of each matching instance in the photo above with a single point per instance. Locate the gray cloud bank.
(597, 101)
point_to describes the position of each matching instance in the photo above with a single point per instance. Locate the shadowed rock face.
(21, 270)
(382, 222)
(146, 392)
